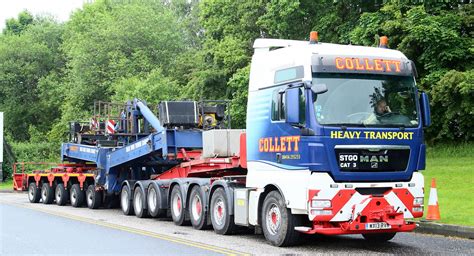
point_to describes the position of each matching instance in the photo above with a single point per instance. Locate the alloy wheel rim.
(273, 219)
(219, 212)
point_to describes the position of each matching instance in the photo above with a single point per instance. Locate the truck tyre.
(93, 197)
(278, 223)
(197, 210)
(61, 194)
(222, 221)
(125, 202)
(77, 196)
(178, 214)
(34, 193)
(47, 193)
(139, 203)
(379, 237)
(154, 202)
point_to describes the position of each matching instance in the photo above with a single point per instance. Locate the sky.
(60, 9)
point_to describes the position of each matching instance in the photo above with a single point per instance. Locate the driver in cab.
(381, 108)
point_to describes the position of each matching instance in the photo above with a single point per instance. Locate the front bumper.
(359, 208)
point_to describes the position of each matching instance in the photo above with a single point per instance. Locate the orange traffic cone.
(433, 207)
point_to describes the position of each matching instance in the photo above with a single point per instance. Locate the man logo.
(374, 159)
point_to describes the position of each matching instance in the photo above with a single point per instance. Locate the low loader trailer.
(333, 145)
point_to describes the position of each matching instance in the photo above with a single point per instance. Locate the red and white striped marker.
(110, 126)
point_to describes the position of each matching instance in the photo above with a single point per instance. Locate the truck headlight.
(418, 201)
(320, 203)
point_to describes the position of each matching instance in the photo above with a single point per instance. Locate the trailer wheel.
(77, 196)
(197, 212)
(222, 221)
(154, 202)
(177, 206)
(93, 197)
(47, 193)
(278, 223)
(139, 203)
(379, 237)
(34, 193)
(61, 194)
(125, 201)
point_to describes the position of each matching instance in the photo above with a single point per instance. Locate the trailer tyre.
(379, 237)
(178, 214)
(61, 194)
(47, 193)
(125, 202)
(77, 196)
(93, 197)
(197, 211)
(278, 223)
(222, 221)
(34, 193)
(139, 203)
(154, 202)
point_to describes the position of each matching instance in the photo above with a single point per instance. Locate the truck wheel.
(47, 193)
(93, 197)
(139, 203)
(177, 209)
(127, 209)
(77, 196)
(154, 202)
(222, 221)
(379, 237)
(278, 223)
(197, 212)
(34, 193)
(61, 194)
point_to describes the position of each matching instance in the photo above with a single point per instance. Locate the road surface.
(50, 229)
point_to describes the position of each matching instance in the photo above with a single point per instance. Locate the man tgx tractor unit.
(333, 145)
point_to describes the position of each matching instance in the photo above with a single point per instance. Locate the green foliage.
(154, 88)
(17, 26)
(238, 84)
(453, 107)
(51, 73)
(25, 60)
(36, 152)
(107, 42)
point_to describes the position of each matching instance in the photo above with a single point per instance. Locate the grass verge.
(453, 168)
(8, 184)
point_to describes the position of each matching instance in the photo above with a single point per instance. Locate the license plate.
(377, 225)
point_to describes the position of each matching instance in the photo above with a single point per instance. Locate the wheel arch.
(267, 189)
(229, 191)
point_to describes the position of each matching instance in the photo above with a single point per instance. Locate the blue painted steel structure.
(116, 164)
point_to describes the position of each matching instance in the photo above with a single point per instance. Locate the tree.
(26, 59)
(108, 42)
(17, 26)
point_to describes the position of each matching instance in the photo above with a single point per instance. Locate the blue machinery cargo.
(333, 145)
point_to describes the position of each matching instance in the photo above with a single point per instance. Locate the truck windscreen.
(363, 100)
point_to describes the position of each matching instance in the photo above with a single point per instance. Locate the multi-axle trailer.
(333, 145)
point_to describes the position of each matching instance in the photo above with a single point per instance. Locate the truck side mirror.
(425, 110)
(292, 105)
(319, 88)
